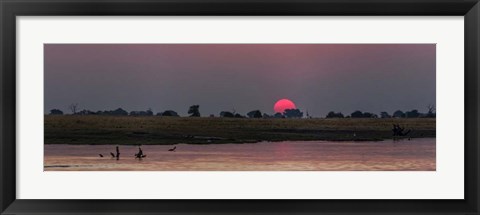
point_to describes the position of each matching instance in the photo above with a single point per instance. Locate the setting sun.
(283, 104)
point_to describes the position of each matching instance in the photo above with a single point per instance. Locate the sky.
(318, 78)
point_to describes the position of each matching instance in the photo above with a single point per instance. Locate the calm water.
(416, 154)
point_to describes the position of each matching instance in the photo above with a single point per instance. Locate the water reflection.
(416, 154)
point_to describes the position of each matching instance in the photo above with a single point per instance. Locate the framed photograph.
(239, 107)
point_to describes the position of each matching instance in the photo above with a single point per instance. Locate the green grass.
(173, 130)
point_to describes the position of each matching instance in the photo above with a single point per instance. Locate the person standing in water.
(118, 153)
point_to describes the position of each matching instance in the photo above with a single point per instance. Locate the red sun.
(283, 104)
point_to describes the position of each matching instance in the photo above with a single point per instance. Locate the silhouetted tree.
(254, 114)
(237, 115)
(278, 115)
(360, 114)
(194, 111)
(118, 112)
(56, 112)
(398, 114)
(369, 115)
(412, 114)
(73, 107)
(332, 114)
(148, 112)
(168, 113)
(226, 114)
(85, 112)
(266, 116)
(357, 114)
(293, 113)
(135, 113)
(431, 111)
(385, 115)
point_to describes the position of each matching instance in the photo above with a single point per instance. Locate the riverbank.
(128, 130)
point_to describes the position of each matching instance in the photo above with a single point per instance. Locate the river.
(389, 155)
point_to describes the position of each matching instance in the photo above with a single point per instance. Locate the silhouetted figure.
(172, 149)
(140, 153)
(100, 155)
(113, 155)
(118, 153)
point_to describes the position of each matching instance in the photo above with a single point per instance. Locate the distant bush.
(56, 112)
(85, 112)
(385, 115)
(227, 114)
(369, 115)
(148, 112)
(360, 114)
(293, 113)
(398, 114)
(332, 114)
(412, 114)
(168, 113)
(237, 115)
(357, 114)
(254, 114)
(116, 112)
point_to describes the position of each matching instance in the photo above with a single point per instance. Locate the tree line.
(194, 111)
(397, 114)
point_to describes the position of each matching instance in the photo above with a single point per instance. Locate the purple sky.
(242, 77)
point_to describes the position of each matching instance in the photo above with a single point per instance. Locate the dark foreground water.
(416, 154)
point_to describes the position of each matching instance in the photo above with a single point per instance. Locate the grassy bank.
(172, 130)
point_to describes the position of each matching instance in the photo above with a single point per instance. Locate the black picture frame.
(10, 9)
